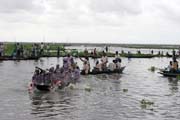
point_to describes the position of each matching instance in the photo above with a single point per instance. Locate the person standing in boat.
(57, 70)
(65, 66)
(118, 63)
(104, 61)
(112, 65)
(98, 66)
(175, 62)
(86, 68)
(170, 66)
(86, 65)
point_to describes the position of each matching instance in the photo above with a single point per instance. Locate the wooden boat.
(43, 87)
(169, 73)
(5, 58)
(138, 55)
(48, 81)
(94, 72)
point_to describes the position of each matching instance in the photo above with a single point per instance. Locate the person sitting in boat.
(98, 66)
(36, 73)
(175, 65)
(104, 61)
(112, 66)
(170, 66)
(65, 64)
(118, 63)
(75, 74)
(57, 70)
(70, 60)
(52, 75)
(86, 68)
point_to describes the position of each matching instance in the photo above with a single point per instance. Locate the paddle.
(40, 69)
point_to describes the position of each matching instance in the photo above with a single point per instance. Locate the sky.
(91, 21)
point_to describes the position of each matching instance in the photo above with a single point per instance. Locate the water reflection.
(48, 104)
(173, 85)
(105, 101)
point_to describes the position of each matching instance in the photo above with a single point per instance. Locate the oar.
(40, 69)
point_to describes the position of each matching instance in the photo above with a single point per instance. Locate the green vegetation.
(152, 68)
(53, 47)
(178, 77)
(137, 55)
(125, 90)
(87, 88)
(10, 47)
(146, 104)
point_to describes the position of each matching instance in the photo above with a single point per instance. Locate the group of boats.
(59, 78)
(49, 80)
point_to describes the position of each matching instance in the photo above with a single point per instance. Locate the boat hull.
(105, 72)
(169, 74)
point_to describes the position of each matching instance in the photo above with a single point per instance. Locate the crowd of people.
(67, 73)
(70, 71)
(35, 51)
(102, 65)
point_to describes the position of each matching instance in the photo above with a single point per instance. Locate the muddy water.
(106, 99)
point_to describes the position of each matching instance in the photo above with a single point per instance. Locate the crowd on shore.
(35, 51)
(19, 50)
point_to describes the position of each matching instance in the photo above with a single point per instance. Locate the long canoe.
(169, 73)
(105, 72)
(5, 58)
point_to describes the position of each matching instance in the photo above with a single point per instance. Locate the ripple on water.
(106, 100)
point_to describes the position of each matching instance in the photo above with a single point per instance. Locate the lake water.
(105, 101)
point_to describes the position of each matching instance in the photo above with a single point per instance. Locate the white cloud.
(118, 21)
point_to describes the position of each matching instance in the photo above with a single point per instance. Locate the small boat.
(5, 58)
(169, 73)
(48, 81)
(138, 55)
(95, 72)
(43, 87)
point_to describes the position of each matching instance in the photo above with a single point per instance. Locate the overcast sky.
(102, 21)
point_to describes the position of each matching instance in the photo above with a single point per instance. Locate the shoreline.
(137, 46)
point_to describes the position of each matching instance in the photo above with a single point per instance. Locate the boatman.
(104, 61)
